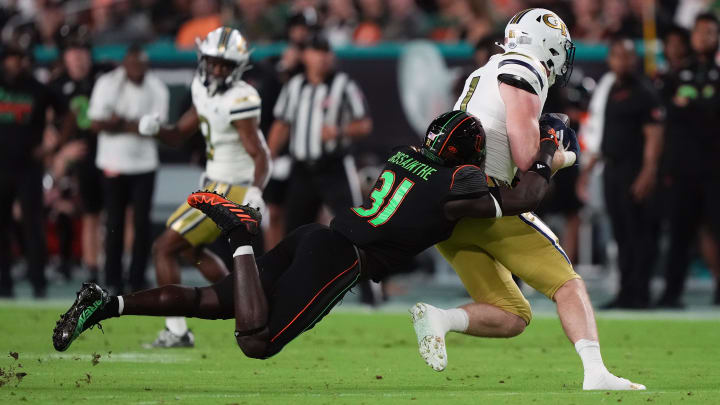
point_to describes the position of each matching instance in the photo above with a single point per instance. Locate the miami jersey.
(227, 160)
(405, 213)
(481, 97)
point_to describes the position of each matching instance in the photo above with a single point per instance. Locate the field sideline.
(352, 357)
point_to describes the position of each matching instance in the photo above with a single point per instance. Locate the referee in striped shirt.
(319, 112)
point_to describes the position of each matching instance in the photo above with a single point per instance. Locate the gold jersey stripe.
(471, 90)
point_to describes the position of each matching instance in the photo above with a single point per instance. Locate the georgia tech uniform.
(229, 170)
(484, 252)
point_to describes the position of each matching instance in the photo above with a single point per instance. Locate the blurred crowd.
(654, 129)
(363, 22)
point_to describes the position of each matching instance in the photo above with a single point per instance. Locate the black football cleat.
(227, 215)
(90, 299)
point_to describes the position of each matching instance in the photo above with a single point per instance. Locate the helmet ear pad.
(455, 138)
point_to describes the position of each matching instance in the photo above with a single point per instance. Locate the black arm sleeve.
(468, 182)
(516, 81)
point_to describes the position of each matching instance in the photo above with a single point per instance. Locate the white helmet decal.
(223, 43)
(541, 33)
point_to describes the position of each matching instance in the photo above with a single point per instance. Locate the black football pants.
(303, 277)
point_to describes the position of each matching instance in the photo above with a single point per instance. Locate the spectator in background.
(205, 18)
(24, 103)
(113, 22)
(340, 22)
(372, 21)
(405, 21)
(468, 20)
(625, 132)
(75, 85)
(691, 171)
(166, 21)
(619, 21)
(258, 22)
(128, 161)
(588, 20)
(676, 47)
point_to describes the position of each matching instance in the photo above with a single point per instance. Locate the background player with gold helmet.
(226, 109)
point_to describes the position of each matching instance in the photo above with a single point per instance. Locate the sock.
(177, 325)
(589, 352)
(110, 310)
(239, 237)
(243, 250)
(457, 320)
(121, 305)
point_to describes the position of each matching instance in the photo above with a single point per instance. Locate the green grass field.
(352, 358)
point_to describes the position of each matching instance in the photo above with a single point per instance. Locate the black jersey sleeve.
(516, 81)
(468, 181)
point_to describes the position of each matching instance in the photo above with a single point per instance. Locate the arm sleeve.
(521, 72)
(468, 182)
(245, 105)
(99, 108)
(356, 101)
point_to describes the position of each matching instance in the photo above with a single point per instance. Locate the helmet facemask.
(562, 75)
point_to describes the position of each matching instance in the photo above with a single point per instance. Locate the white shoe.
(430, 334)
(167, 339)
(608, 381)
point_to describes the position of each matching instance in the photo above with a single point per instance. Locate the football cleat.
(431, 339)
(76, 320)
(607, 381)
(227, 215)
(167, 339)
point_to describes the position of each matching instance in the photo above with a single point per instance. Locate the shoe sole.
(64, 331)
(432, 348)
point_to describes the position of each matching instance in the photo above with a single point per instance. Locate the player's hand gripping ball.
(149, 124)
(566, 135)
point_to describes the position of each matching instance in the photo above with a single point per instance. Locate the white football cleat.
(430, 335)
(167, 339)
(609, 382)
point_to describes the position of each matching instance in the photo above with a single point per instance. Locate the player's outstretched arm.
(254, 143)
(173, 135)
(522, 110)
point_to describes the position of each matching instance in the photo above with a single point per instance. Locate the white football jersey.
(227, 159)
(481, 97)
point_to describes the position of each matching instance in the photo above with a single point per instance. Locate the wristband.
(542, 169)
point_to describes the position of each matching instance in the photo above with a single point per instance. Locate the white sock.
(177, 325)
(457, 320)
(121, 304)
(243, 250)
(589, 351)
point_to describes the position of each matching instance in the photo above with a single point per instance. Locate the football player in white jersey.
(508, 95)
(227, 110)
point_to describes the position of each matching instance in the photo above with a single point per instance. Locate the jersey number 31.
(379, 197)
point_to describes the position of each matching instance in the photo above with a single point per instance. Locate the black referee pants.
(327, 182)
(303, 277)
(25, 186)
(121, 192)
(635, 229)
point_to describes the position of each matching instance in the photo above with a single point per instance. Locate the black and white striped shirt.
(307, 108)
